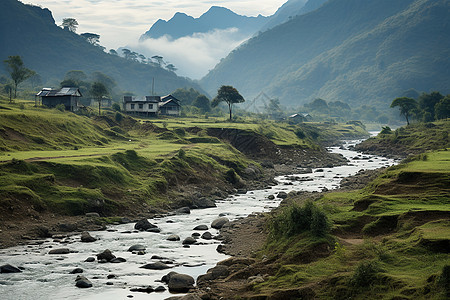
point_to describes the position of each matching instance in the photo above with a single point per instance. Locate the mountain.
(357, 51)
(291, 9)
(31, 32)
(216, 17)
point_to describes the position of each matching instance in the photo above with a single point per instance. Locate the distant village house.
(152, 105)
(299, 118)
(68, 96)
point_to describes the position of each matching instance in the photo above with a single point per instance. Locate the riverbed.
(47, 276)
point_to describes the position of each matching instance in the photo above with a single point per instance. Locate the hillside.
(31, 32)
(216, 17)
(347, 50)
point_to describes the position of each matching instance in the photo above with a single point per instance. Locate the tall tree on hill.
(202, 102)
(17, 71)
(427, 102)
(98, 91)
(70, 24)
(91, 38)
(228, 94)
(406, 106)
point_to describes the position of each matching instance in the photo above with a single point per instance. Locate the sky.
(120, 23)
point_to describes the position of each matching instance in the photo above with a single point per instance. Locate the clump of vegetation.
(296, 219)
(365, 274)
(386, 130)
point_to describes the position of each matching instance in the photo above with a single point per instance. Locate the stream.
(48, 276)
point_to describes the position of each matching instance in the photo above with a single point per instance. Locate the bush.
(181, 154)
(231, 176)
(295, 219)
(116, 107)
(386, 130)
(365, 274)
(118, 116)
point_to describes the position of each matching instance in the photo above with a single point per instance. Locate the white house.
(152, 105)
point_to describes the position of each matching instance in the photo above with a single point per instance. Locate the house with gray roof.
(68, 96)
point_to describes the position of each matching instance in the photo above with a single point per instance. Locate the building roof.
(65, 91)
(174, 102)
(146, 99)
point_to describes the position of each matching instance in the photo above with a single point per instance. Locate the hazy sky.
(121, 22)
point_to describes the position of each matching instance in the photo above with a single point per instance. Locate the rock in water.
(59, 251)
(144, 225)
(87, 238)
(136, 248)
(9, 269)
(183, 210)
(181, 283)
(282, 195)
(189, 241)
(76, 271)
(218, 223)
(173, 238)
(201, 227)
(156, 266)
(207, 236)
(106, 255)
(82, 282)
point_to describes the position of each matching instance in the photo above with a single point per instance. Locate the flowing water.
(48, 276)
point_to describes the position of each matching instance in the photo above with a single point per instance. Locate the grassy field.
(390, 240)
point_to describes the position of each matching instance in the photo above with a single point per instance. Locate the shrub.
(295, 219)
(231, 176)
(444, 280)
(181, 154)
(116, 107)
(365, 274)
(386, 130)
(300, 134)
(118, 116)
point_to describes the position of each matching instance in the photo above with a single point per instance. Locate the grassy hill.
(359, 52)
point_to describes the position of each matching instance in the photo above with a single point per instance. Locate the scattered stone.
(173, 238)
(136, 247)
(111, 276)
(90, 259)
(9, 269)
(183, 210)
(319, 170)
(156, 230)
(125, 220)
(219, 271)
(160, 289)
(118, 260)
(201, 227)
(82, 282)
(166, 277)
(106, 256)
(87, 238)
(282, 195)
(218, 223)
(189, 241)
(207, 236)
(181, 283)
(59, 251)
(92, 215)
(204, 203)
(76, 271)
(252, 280)
(144, 225)
(110, 283)
(271, 197)
(155, 266)
(66, 227)
(147, 289)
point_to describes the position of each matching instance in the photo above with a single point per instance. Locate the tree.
(126, 53)
(406, 106)
(70, 24)
(202, 102)
(17, 71)
(8, 88)
(91, 38)
(171, 68)
(159, 59)
(442, 108)
(113, 52)
(98, 91)
(427, 102)
(228, 94)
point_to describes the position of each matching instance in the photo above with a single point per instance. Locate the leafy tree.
(17, 71)
(202, 102)
(159, 59)
(109, 82)
(8, 88)
(273, 108)
(427, 102)
(318, 104)
(171, 68)
(70, 24)
(186, 96)
(406, 106)
(113, 52)
(91, 38)
(228, 94)
(442, 108)
(98, 91)
(126, 53)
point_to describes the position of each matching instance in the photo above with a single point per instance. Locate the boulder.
(82, 282)
(204, 203)
(125, 220)
(219, 271)
(159, 289)
(282, 195)
(183, 210)
(143, 225)
(90, 259)
(271, 197)
(189, 241)
(207, 235)
(166, 277)
(173, 238)
(201, 227)
(87, 238)
(92, 215)
(148, 289)
(59, 251)
(218, 223)
(76, 271)
(9, 269)
(181, 283)
(155, 266)
(106, 255)
(136, 248)
(118, 260)
(155, 229)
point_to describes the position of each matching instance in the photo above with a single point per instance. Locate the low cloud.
(194, 55)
